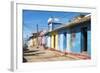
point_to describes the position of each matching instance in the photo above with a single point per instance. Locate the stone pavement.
(42, 55)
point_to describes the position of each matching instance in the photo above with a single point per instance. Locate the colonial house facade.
(74, 36)
(36, 40)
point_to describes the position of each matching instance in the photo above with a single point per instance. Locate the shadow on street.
(33, 54)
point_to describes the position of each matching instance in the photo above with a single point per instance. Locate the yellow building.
(54, 40)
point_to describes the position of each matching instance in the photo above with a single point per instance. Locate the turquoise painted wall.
(58, 41)
(68, 43)
(76, 44)
(62, 41)
(89, 43)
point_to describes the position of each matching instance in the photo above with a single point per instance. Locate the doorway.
(54, 41)
(65, 40)
(84, 39)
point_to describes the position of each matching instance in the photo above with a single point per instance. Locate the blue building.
(73, 37)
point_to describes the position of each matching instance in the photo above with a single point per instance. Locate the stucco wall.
(62, 40)
(48, 41)
(89, 43)
(70, 43)
(76, 43)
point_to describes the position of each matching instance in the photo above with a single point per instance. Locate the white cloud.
(56, 19)
(53, 19)
(49, 20)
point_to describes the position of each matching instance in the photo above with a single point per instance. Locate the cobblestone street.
(41, 55)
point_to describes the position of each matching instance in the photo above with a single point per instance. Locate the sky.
(33, 17)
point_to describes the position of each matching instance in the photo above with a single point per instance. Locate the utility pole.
(37, 36)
